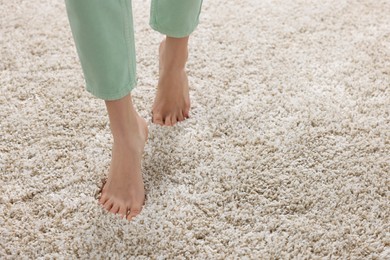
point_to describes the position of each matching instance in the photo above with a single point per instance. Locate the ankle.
(174, 62)
(174, 55)
(131, 142)
(170, 73)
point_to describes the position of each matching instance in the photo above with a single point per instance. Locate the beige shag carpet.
(286, 154)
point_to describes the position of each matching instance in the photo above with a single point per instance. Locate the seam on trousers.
(153, 10)
(200, 9)
(75, 38)
(126, 36)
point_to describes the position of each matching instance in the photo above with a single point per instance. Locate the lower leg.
(123, 191)
(172, 102)
(124, 119)
(175, 52)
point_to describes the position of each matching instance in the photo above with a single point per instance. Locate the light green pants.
(104, 38)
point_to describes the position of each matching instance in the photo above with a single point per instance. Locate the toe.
(157, 119)
(186, 113)
(134, 211)
(108, 205)
(103, 199)
(168, 121)
(122, 211)
(114, 209)
(180, 117)
(174, 120)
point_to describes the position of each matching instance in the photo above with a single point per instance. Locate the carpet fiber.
(286, 153)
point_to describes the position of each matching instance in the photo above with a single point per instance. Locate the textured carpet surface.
(286, 153)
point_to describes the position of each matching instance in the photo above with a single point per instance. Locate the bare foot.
(123, 192)
(172, 102)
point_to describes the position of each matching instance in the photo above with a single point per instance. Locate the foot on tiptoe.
(172, 101)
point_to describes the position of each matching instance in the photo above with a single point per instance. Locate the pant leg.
(175, 18)
(104, 39)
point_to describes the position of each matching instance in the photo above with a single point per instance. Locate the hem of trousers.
(172, 34)
(120, 93)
